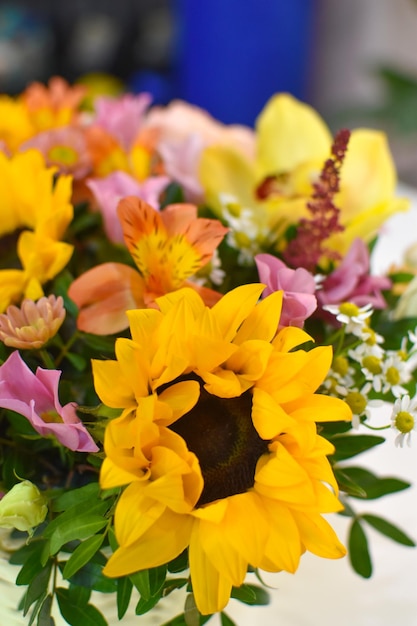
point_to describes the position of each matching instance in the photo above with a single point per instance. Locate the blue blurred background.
(355, 62)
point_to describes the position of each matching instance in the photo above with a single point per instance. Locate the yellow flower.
(216, 442)
(31, 198)
(15, 124)
(292, 145)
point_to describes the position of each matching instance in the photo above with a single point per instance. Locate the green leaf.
(76, 496)
(78, 614)
(44, 616)
(347, 485)
(388, 529)
(91, 576)
(173, 583)
(251, 594)
(372, 485)
(149, 582)
(191, 613)
(81, 529)
(225, 620)
(359, 556)
(351, 445)
(145, 605)
(37, 587)
(82, 554)
(78, 361)
(124, 593)
(141, 581)
(31, 568)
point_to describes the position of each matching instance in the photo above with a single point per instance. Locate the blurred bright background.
(355, 61)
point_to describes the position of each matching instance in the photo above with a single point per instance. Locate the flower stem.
(47, 359)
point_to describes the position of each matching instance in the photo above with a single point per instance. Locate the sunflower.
(216, 443)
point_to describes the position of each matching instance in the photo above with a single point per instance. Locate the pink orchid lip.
(33, 395)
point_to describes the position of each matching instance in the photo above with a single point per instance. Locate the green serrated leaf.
(388, 529)
(225, 620)
(82, 555)
(359, 556)
(78, 615)
(251, 594)
(373, 486)
(350, 445)
(124, 593)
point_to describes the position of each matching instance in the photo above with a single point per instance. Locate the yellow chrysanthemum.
(262, 198)
(217, 443)
(15, 124)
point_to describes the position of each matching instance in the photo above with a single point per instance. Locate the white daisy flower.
(354, 317)
(403, 419)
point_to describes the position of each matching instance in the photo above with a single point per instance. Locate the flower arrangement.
(191, 339)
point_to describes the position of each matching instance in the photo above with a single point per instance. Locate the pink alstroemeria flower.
(35, 396)
(299, 301)
(351, 281)
(110, 190)
(122, 117)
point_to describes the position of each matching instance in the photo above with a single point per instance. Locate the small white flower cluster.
(246, 234)
(368, 368)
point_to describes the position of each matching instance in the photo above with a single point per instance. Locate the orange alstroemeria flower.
(54, 105)
(168, 247)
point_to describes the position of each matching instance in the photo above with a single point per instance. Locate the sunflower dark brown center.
(221, 434)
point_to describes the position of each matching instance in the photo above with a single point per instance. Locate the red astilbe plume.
(308, 247)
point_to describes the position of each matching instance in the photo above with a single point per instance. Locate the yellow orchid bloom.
(261, 198)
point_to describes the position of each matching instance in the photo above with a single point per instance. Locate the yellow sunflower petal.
(211, 589)
(262, 322)
(268, 417)
(283, 549)
(161, 543)
(318, 536)
(181, 398)
(141, 512)
(110, 384)
(234, 307)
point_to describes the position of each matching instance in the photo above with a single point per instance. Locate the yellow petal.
(289, 133)
(318, 536)
(320, 408)
(262, 322)
(211, 589)
(224, 171)
(283, 548)
(110, 384)
(181, 398)
(234, 307)
(135, 514)
(268, 417)
(161, 543)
